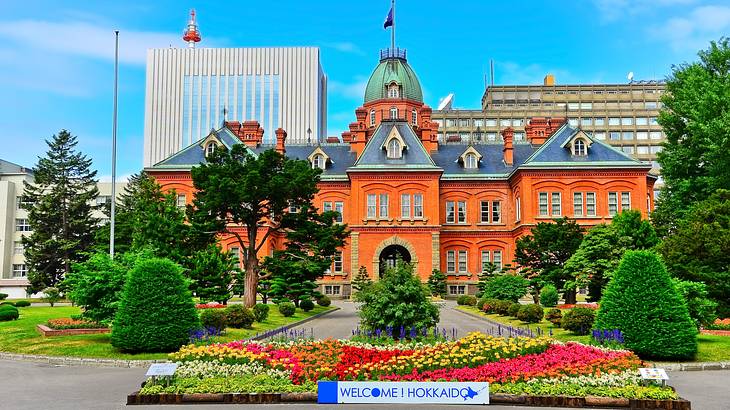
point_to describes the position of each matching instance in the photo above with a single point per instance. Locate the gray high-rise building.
(192, 90)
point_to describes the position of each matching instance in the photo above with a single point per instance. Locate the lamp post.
(309, 135)
(114, 146)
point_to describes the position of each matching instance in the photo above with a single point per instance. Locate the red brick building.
(450, 205)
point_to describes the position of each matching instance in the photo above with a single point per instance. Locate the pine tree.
(59, 204)
(361, 280)
(437, 283)
(489, 271)
(211, 274)
(126, 207)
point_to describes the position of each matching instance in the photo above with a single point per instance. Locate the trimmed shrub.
(461, 300)
(8, 312)
(514, 309)
(324, 301)
(549, 296)
(3, 296)
(506, 287)
(157, 311)
(260, 312)
(471, 300)
(96, 285)
(239, 317)
(489, 305)
(306, 305)
(287, 309)
(642, 302)
(532, 313)
(7, 303)
(213, 319)
(578, 320)
(554, 316)
(22, 303)
(502, 307)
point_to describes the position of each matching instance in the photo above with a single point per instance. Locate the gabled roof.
(194, 154)
(374, 157)
(555, 152)
(340, 157)
(491, 165)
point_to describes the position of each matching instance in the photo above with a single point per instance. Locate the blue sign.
(403, 392)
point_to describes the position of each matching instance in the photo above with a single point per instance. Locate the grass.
(710, 348)
(21, 336)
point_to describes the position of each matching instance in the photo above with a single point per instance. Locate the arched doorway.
(390, 255)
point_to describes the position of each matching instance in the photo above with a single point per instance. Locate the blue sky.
(56, 58)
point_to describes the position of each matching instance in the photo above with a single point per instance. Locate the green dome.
(393, 67)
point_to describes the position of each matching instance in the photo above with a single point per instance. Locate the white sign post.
(652, 373)
(376, 392)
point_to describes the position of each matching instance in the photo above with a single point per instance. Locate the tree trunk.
(569, 296)
(251, 281)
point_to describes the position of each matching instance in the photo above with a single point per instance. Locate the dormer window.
(578, 144)
(579, 147)
(393, 113)
(318, 161)
(470, 161)
(393, 91)
(394, 150)
(210, 148)
(394, 144)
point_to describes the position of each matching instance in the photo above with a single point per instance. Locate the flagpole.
(114, 145)
(392, 32)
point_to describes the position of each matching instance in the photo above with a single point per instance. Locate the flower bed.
(210, 305)
(68, 323)
(593, 306)
(536, 366)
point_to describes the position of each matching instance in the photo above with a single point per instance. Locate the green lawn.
(21, 336)
(711, 348)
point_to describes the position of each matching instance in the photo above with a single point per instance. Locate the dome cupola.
(393, 78)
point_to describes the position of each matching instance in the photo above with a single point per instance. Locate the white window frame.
(337, 265)
(485, 211)
(543, 204)
(418, 206)
(496, 215)
(461, 212)
(372, 206)
(518, 210)
(318, 161)
(457, 290)
(590, 204)
(383, 208)
(579, 147)
(463, 261)
(340, 209)
(625, 201)
(578, 209)
(210, 148)
(372, 118)
(470, 161)
(556, 207)
(181, 201)
(612, 203)
(486, 259)
(450, 212)
(235, 253)
(497, 258)
(326, 206)
(18, 248)
(414, 117)
(451, 261)
(393, 113)
(20, 270)
(394, 150)
(22, 225)
(405, 206)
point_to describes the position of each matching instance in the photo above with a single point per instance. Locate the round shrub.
(22, 303)
(578, 320)
(324, 301)
(549, 296)
(8, 312)
(502, 307)
(239, 317)
(642, 302)
(470, 300)
(260, 312)
(532, 313)
(461, 300)
(489, 305)
(7, 303)
(554, 316)
(513, 309)
(3, 296)
(156, 312)
(287, 309)
(506, 287)
(213, 319)
(306, 305)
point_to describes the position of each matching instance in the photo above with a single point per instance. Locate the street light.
(309, 135)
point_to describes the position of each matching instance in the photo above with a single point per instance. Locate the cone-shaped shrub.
(157, 312)
(641, 301)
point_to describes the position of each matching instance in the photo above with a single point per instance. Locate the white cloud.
(85, 39)
(694, 30)
(611, 10)
(346, 47)
(354, 90)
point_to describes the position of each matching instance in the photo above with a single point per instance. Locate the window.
(485, 260)
(579, 147)
(491, 122)
(627, 135)
(591, 203)
(600, 135)
(470, 161)
(337, 262)
(614, 135)
(543, 203)
(650, 105)
(492, 136)
(573, 106)
(22, 225)
(463, 122)
(612, 203)
(556, 205)
(181, 200)
(209, 148)
(518, 210)
(478, 122)
(339, 208)
(484, 214)
(599, 121)
(497, 259)
(20, 270)
(372, 198)
(519, 136)
(20, 203)
(17, 248)
(627, 121)
(457, 289)
(628, 149)
(655, 135)
(586, 106)
(394, 150)
(393, 113)
(331, 289)
(625, 201)
(101, 200)
(450, 212)
(505, 123)
(642, 121)
(405, 206)
(393, 91)
(414, 117)
(577, 204)
(642, 150)
(372, 118)
(642, 135)
(462, 262)
(418, 205)
(318, 161)
(585, 121)
(496, 212)
(235, 253)
(450, 123)
(614, 121)
(573, 122)
(461, 212)
(451, 261)
(383, 205)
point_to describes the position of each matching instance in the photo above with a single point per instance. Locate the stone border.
(94, 362)
(671, 367)
(48, 332)
(294, 324)
(495, 398)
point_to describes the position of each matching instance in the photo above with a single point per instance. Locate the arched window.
(470, 161)
(318, 162)
(394, 150)
(393, 113)
(579, 147)
(372, 118)
(210, 148)
(393, 91)
(414, 117)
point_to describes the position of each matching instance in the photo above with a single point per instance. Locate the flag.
(389, 19)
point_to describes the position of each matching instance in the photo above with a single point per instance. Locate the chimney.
(537, 130)
(361, 114)
(251, 133)
(280, 140)
(549, 80)
(508, 135)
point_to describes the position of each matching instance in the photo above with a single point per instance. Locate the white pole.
(114, 144)
(392, 32)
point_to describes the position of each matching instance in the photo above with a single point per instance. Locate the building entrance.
(390, 255)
